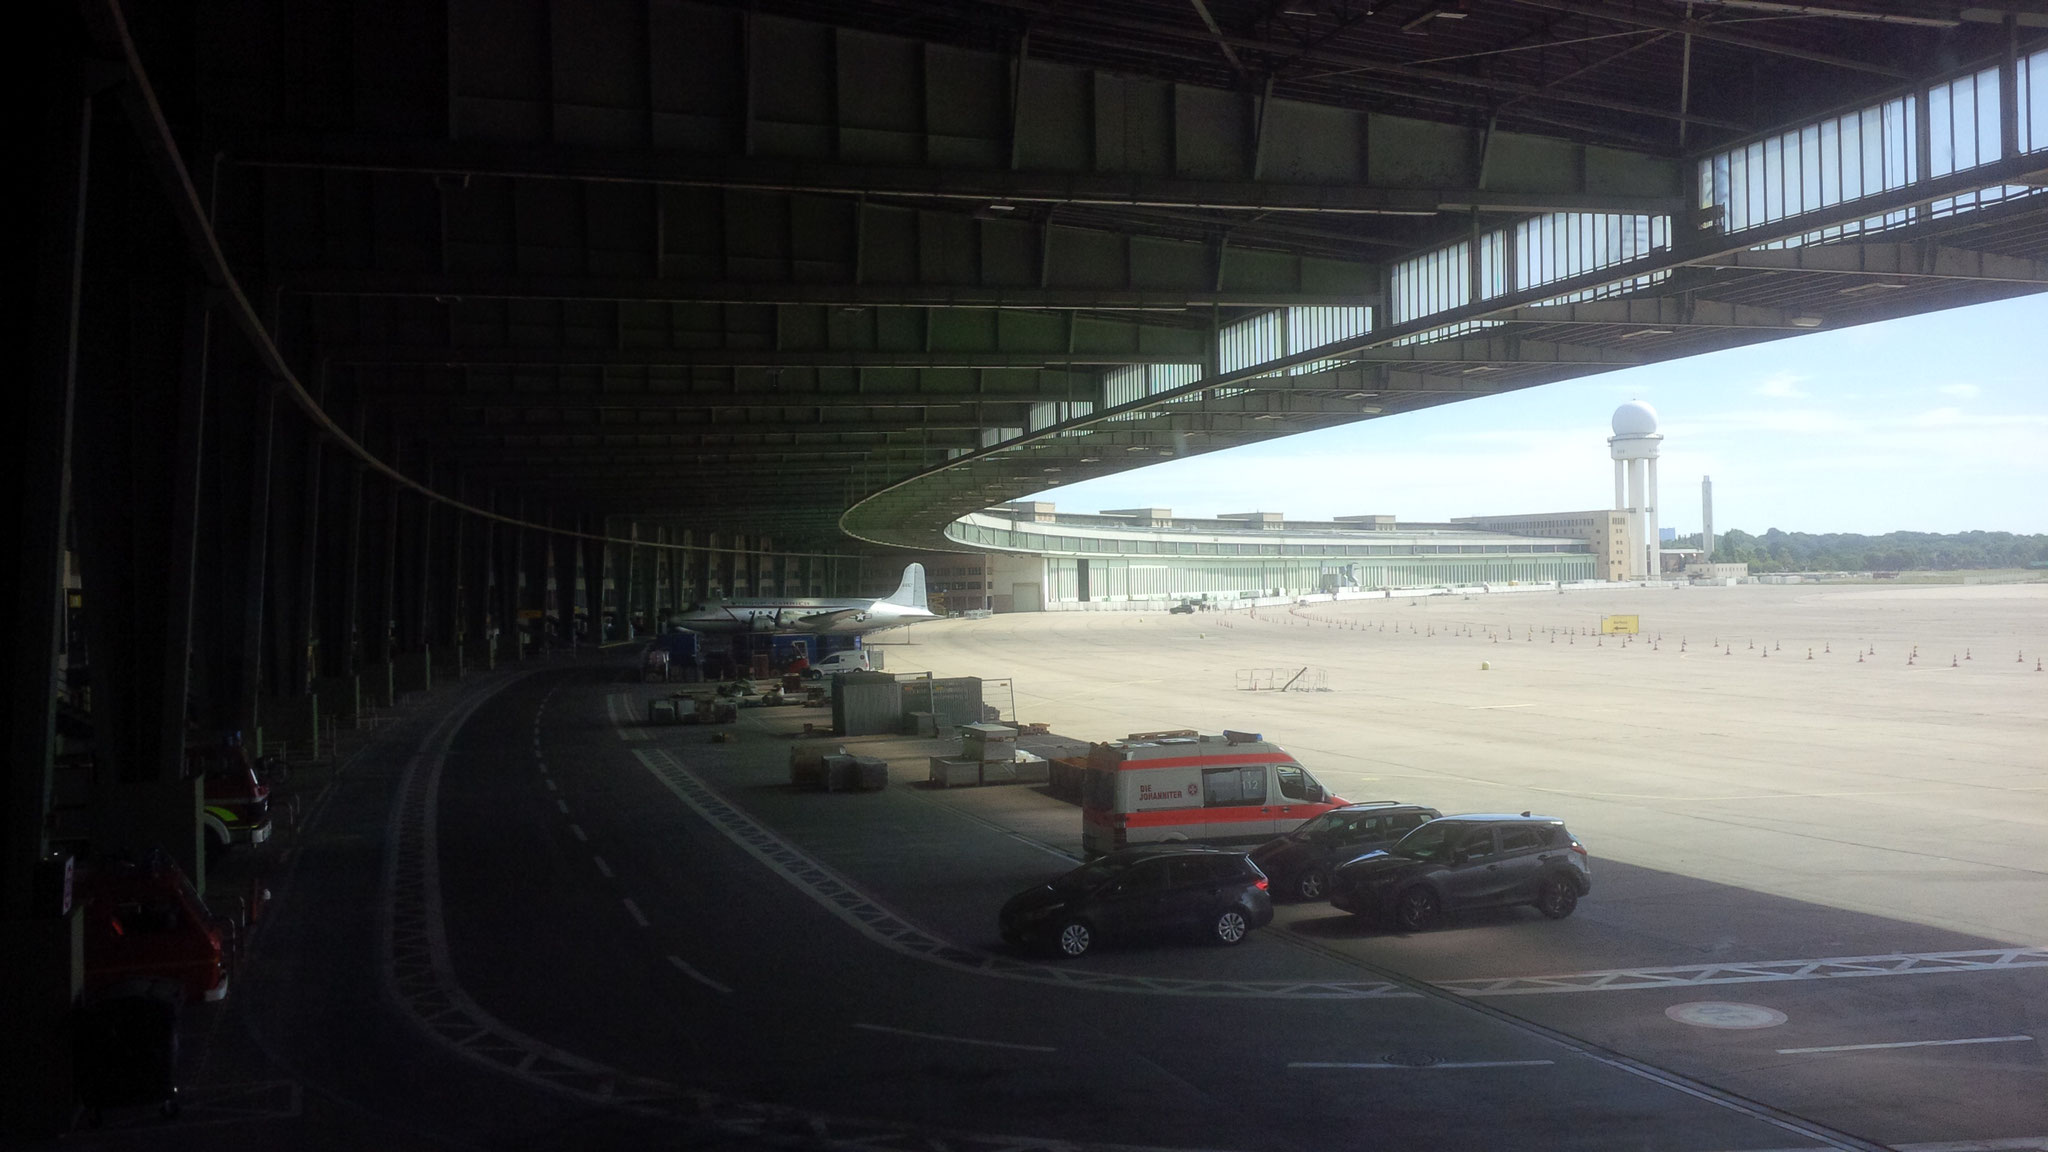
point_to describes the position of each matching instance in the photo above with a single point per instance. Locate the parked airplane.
(906, 605)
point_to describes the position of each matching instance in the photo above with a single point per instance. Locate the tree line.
(1780, 551)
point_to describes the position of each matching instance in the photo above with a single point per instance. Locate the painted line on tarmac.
(1757, 972)
(576, 830)
(420, 978)
(1905, 1044)
(2008, 1144)
(699, 977)
(1495, 707)
(634, 910)
(602, 866)
(955, 1039)
(891, 930)
(1449, 1064)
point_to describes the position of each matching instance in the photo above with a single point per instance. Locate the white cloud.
(1961, 391)
(1781, 386)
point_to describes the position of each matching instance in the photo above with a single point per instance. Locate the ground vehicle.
(144, 923)
(1184, 608)
(1140, 891)
(654, 664)
(237, 801)
(856, 660)
(1180, 786)
(1462, 862)
(1301, 861)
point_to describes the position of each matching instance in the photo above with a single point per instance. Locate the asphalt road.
(523, 919)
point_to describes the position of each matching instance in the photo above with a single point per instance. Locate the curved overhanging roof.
(804, 268)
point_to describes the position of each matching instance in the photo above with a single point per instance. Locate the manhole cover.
(1411, 1059)
(1722, 1014)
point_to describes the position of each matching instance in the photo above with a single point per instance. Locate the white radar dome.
(1635, 418)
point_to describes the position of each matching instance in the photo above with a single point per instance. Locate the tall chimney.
(1706, 519)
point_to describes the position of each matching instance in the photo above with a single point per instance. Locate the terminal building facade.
(1033, 558)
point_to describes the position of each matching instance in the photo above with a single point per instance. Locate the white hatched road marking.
(955, 1039)
(2008, 1144)
(635, 910)
(886, 928)
(1757, 972)
(1449, 1064)
(421, 976)
(699, 977)
(576, 830)
(1906, 1044)
(602, 866)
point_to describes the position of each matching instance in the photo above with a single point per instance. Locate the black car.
(1300, 862)
(1462, 862)
(1141, 891)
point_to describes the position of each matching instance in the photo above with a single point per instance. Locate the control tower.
(1634, 446)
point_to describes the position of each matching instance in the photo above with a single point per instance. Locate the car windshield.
(1429, 842)
(1090, 875)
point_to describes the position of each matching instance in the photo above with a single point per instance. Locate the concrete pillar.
(626, 557)
(1654, 533)
(41, 953)
(412, 671)
(38, 439)
(148, 372)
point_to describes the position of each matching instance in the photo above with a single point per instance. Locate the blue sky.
(1934, 423)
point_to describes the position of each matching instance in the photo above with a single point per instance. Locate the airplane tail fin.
(910, 593)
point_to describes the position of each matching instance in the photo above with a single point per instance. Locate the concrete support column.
(1651, 531)
(378, 640)
(41, 953)
(1620, 501)
(625, 558)
(591, 556)
(139, 516)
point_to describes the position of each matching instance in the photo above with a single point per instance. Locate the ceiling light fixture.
(1807, 321)
(1482, 368)
(1646, 332)
(1871, 286)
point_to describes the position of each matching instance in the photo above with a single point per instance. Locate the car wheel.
(1417, 909)
(1074, 938)
(1314, 884)
(1231, 927)
(1557, 897)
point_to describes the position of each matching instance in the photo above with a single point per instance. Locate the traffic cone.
(1966, 653)
(1952, 661)
(1809, 653)
(1859, 657)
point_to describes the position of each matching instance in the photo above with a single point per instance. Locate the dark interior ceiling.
(820, 267)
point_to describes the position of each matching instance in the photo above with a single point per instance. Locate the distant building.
(1667, 534)
(1604, 530)
(1029, 557)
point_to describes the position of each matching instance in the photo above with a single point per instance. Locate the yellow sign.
(1612, 625)
(531, 613)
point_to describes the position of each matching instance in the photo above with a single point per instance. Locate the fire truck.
(1184, 786)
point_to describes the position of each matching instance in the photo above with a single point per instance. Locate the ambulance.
(1153, 787)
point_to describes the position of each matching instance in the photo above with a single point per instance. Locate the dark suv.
(1300, 862)
(1141, 891)
(1462, 862)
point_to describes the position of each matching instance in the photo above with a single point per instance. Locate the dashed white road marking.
(1756, 972)
(1449, 1064)
(1906, 1044)
(576, 830)
(563, 805)
(955, 1039)
(699, 977)
(603, 867)
(634, 909)
(550, 782)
